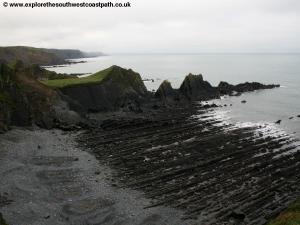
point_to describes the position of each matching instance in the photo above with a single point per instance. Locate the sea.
(261, 107)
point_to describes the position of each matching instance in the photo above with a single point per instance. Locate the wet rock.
(187, 175)
(208, 106)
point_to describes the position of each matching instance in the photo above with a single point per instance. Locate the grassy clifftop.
(106, 90)
(93, 79)
(127, 78)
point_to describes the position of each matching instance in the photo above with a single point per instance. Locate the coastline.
(169, 145)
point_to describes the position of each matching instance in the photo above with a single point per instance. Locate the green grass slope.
(128, 78)
(93, 79)
(289, 217)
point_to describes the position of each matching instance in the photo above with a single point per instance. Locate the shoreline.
(214, 171)
(46, 179)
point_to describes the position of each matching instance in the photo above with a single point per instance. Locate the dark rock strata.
(216, 172)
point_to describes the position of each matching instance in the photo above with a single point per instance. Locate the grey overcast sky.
(158, 26)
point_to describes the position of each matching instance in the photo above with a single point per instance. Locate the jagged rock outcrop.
(194, 88)
(229, 89)
(166, 93)
(120, 88)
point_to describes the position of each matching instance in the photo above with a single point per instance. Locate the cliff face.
(119, 88)
(24, 100)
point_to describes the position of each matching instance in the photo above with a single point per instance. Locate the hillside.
(93, 79)
(105, 90)
(25, 101)
(41, 56)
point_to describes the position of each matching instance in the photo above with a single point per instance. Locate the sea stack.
(166, 93)
(194, 88)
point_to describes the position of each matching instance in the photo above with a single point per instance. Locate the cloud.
(159, 26)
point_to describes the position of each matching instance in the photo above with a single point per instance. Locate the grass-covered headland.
(93, 79)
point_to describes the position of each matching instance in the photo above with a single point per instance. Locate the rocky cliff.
(119, 88)
(25, 101)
